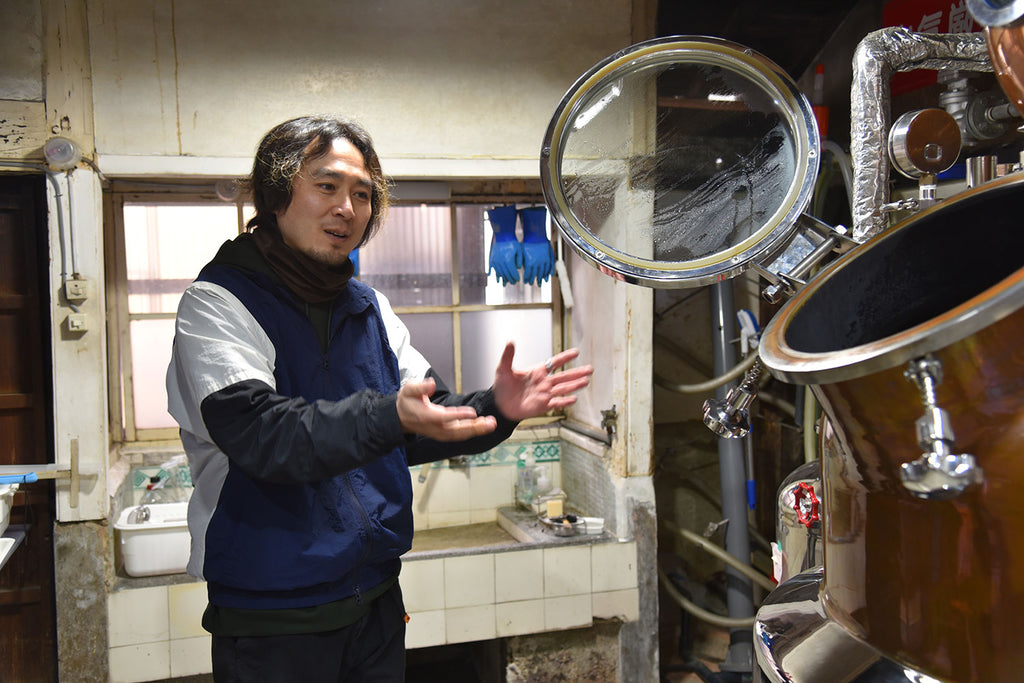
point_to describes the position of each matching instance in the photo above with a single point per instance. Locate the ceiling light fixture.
(61, 153)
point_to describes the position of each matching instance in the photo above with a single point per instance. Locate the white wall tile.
(555, 472)
(422, 584)
(423, 490)
(191, 656)
(519, 575)
(571, 611)
(518, 618)
(133, 663)
(614, 566)
(469, 580)
(186, 604)
(567, 571)
(447, 490)
(438, 520)
(425, 629)
(453, 496)
(465, 624)
(624, 605)
(156, 632)
(138, 616)
(420, 521)
(491, 486)
(484, 515)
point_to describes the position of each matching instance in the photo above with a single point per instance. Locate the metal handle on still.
(939, 474)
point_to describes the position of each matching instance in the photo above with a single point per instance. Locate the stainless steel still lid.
(678, 161)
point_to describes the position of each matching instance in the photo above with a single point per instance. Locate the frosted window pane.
(410, 259)
(473, 253)
(433, 337)
(166, 246)
(151, 353)
(484, 335)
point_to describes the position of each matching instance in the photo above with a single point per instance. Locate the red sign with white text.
(925, 16)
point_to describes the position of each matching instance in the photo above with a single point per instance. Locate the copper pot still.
(946, 589)
(1004, 34)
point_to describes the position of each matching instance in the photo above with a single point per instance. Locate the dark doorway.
(28, 633)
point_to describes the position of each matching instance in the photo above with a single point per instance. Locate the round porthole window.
(678, 161)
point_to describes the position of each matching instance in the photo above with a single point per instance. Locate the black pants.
(372, 649)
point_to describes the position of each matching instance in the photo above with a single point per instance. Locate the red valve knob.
(806, 504)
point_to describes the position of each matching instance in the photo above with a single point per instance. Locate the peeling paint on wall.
(22, 125)
(12, 132)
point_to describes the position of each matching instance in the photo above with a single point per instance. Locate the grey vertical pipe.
(739, 591)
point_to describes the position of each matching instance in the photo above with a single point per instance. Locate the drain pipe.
(879, 55)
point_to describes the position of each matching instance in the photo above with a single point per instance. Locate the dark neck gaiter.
(310, 280)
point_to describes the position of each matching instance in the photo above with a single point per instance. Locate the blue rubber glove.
(506, 251)
(539, 256)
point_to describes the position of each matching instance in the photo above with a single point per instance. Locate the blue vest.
(272, 546)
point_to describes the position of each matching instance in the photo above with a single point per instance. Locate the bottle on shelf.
(158, 492)
(525, 481)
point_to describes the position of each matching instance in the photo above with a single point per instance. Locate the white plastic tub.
(159, 545)
(7, 492)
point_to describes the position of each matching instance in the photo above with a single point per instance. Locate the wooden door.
(28, 633)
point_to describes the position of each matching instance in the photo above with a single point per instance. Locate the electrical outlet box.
(78, 322)
(77, 289)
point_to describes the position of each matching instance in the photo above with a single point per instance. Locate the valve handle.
(806, 504)
(730, 418)
(938, 474)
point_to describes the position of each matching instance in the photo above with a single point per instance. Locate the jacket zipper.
(367, 525)
(369, 534)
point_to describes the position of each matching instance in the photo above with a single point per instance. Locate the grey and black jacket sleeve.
(261, 431)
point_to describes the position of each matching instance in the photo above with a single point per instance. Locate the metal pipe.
(845, 168)
(713, 383)
(776, 402)
(879, 55)
(698, 611)
(810, 419)
(51, 176)
(590, 432)
(732, 476)
(703, 543)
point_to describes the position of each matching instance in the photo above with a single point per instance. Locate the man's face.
(330, 205)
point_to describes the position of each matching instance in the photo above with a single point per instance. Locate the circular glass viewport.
(678, 161)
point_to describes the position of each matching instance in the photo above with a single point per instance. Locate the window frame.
(457, 308)
(120, 380)
(120, 393)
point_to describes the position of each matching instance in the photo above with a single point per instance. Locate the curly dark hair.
(284, 149)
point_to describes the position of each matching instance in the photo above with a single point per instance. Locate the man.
(302, 405)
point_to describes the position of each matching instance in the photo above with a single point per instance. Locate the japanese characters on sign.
(925, 16)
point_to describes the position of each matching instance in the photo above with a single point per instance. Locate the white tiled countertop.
(460, 584)
(479, 582)
(516, 529)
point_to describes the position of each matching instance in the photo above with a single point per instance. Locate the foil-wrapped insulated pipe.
(878, 56)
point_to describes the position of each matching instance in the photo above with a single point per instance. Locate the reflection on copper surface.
(937, 585)
(1006, 49)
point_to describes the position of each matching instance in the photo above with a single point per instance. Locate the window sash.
(122, 381)
(122, 378)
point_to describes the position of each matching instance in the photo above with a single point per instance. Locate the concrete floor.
(710, 645)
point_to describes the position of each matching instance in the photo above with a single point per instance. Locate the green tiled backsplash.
(509, 453)
(141, 476)
(503, 454)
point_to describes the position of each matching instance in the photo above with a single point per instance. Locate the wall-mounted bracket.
(31, 473)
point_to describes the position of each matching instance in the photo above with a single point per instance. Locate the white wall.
(455, 87)
(448, 89)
